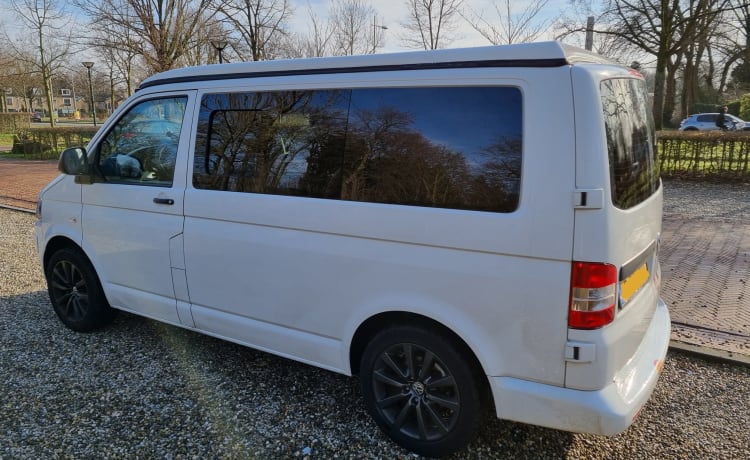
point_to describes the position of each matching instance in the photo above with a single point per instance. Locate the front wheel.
(421, 389)
(76, 293)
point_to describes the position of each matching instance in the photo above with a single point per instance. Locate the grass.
(6, 139)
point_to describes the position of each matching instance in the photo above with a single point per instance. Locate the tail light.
(593, 295)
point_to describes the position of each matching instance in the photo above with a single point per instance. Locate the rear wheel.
(421, 389)
(76, 293)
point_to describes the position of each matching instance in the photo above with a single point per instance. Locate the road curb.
(711, 353)
(16, 208)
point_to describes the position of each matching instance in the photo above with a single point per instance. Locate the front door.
(133, 212)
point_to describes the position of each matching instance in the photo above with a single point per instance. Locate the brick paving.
(706, 283)
(705, 267)
(21, 181)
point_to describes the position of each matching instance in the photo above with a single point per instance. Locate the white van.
(461, 228)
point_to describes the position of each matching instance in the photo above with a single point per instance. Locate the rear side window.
(634, 171)
(448, 147)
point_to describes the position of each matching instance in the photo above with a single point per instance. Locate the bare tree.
(354, 28)
(739, 49)
(114, 45)
(572, 27)
(48, 23)
(510, 24)
(161, 31)
(203, 50)
(259, 24)
(16, 78)
(430, 23)
(664, 29)
(315, 42)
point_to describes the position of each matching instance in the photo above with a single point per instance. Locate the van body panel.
(305, 279)
(64, 213)
(608, 410)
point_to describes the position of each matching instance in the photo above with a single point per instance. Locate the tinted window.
(634, 172)
(441, 147)
(707, 118)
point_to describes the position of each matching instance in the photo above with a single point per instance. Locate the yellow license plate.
(630, 285)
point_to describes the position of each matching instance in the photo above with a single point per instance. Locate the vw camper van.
(464, 229)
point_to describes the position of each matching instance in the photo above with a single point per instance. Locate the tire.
(421, 389)
(76, 293)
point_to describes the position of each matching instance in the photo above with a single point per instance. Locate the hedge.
(711, 154)
(47, 143)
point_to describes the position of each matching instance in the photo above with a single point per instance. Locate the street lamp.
(219, 45)
(89, 65)
(375, 28)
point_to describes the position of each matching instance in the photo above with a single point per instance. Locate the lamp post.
(375, 28)
(219, 45)
(89, 65)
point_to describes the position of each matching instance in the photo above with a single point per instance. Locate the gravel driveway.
(141, 389)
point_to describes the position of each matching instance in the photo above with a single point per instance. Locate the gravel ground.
(696, 200)
(141, 389)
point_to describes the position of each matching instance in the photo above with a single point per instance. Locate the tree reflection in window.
(440, 147)
(634, 171)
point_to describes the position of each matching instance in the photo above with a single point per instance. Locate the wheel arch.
(61, 242)
(373, 325)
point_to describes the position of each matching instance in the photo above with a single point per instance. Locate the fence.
(709, 155)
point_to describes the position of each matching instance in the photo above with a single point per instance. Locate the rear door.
(617, 225)
(131, 218)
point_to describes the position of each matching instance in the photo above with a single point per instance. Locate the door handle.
(168, 201)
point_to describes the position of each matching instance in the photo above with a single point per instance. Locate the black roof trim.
(554, 62)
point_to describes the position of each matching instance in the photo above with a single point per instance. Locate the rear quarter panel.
(609, 235)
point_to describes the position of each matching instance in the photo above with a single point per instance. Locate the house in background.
(64, 101)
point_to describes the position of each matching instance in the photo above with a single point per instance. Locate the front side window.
(447, 147)
(141, 148)
(634, 171)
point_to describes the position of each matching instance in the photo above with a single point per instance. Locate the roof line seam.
(553, 62)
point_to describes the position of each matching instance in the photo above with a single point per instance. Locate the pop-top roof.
(541, 54)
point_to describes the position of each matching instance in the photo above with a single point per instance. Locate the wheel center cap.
(418, 388)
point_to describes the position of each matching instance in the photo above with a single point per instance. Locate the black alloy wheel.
(76, 293)
(421, 390)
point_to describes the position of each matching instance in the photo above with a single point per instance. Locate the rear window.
(633, 169)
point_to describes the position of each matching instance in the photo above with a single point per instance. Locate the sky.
(391, 13)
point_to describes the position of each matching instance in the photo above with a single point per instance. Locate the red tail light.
(593, 294)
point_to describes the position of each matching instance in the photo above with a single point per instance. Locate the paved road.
(705, 257)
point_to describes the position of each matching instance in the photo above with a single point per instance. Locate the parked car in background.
(707, 122)
(36, 117)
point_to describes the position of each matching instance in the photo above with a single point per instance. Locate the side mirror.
(73, 161)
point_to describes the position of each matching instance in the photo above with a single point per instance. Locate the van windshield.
(633, 169)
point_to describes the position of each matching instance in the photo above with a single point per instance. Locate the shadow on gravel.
(140, 388)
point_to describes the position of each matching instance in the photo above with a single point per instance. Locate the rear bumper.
(608, 411)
